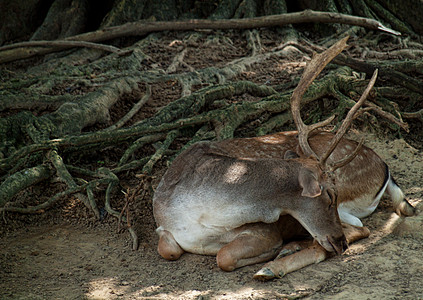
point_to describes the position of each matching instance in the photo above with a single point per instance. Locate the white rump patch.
(395, 192)
(350, 212)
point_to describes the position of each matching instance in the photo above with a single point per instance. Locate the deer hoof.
(406, 209)
(266, 274)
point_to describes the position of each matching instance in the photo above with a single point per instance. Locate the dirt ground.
(66, 254)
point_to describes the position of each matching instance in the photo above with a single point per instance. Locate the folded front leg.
(255, 243)
(297, 255)
(287, 264)
(354, 233)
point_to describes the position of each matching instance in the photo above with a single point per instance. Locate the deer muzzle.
(333, 244)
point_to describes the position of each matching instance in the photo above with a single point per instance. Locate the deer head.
(310, 73)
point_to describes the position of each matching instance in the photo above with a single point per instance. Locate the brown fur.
(364, 174)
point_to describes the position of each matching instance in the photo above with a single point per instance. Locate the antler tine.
(346, 160)
(312, 70)
(344, 127)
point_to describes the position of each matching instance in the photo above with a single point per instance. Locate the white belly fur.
(211, 224)
(350, 212)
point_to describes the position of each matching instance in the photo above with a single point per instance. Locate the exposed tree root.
(65, 176)
(384, 72)
(132, 112)
(50, 202)
(414, 115)
(22, 179)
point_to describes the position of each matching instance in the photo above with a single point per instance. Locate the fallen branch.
(33, 48)
(306, 16)
(60, 45)
(144, 27)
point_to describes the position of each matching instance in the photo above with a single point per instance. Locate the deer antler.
(312, 70)
(344, 127)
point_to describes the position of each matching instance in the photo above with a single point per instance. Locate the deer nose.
(339, 244)
(344, 244)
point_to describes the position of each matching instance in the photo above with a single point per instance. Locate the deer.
(240, 199)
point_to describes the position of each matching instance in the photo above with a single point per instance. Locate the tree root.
(384, 72)
(177, 61)
(65, 176)
(414, 115)
(50, 202)
(18, 181)
(171, 136)
(225, 120)
(414, 54)
(132, 112)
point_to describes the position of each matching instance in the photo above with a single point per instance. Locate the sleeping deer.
(239, 199)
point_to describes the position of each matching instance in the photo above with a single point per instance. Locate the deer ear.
(289, 154)
(309, 183)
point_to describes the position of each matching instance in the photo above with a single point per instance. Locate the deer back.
(365, 175)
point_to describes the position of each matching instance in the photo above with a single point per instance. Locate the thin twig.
(414, 115)
(129, 198)
(132, 112)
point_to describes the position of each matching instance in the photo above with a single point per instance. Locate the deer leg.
(354, 233)
(297, 255)
(401, 205)
(282, 266)
(168, 248)
(255, 243)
